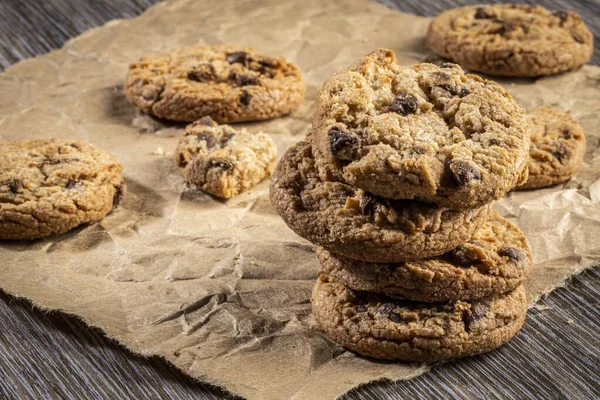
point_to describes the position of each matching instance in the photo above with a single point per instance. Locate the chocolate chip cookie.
(362, 226)
(224, 161)
(228, 84)
(557, 147)
(495, 260)
(50, 186)
(423, 132)
(381, 327)
(511, 39)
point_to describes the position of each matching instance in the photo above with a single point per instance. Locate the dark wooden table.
(56, 356)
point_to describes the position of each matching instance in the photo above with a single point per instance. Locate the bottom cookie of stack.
(378, 326)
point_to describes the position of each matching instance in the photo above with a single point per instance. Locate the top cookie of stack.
(424, 132)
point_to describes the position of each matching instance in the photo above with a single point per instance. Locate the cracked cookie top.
(224, 161)
(228, 84)
(495, 260)
(557, 147)
(378, 326)
(359, 225)
(511, 39)
(49, 186)
(426, 132)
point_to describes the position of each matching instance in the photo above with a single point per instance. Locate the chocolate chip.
(418, 150)
(387, 310)
(71, 183)
(361, 308)
(449, 65)
(118, 196)
(13, 185)
(514, 255)
(247, 80)
(463, 92)
(442, 76)
(562, 15)
(245, 98)
(269, 62)
(394, 318)
(560, 151)
(261, 70)
(460, 257)
(507, 26)
(209, 138)
(204, 73)
(463, 172)
(237, 57)
(50, 161)
(566, 133)
(577, 38)
(476, 312)
(343, 145)
(493, 142)
(181, 161)
(220, 163)
(449, 89)
(482, 13)
(225, 139)
(206, 121)
(367, 204)
(404, 104)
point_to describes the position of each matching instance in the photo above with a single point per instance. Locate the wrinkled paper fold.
(221, 289)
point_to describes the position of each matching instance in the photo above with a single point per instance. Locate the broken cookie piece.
(224, 161)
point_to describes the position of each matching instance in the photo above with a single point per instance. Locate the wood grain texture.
(56, 356)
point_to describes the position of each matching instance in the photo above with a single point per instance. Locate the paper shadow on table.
(121, 111)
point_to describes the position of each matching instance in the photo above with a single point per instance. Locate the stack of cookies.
(394, 185)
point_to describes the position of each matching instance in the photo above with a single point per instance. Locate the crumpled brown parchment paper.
(221, 289)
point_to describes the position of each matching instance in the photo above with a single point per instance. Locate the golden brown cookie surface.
(378, 326)
(228, 84)
(423, 132)
(511, 39)
(557, 147)
(224, 161)
(495, 260)
(50, 186)
(361, 226)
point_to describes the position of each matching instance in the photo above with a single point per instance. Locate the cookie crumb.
(159, 151)
(541, 307)
(570, 321)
